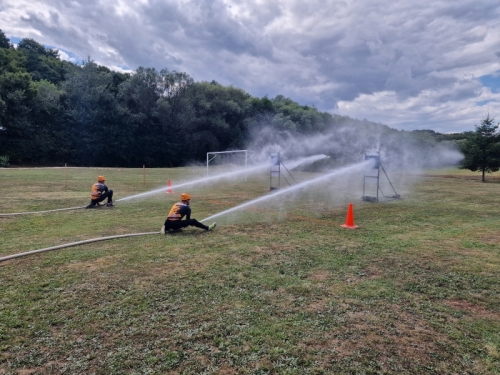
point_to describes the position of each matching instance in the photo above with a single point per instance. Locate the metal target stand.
(275, 172)
(372, 177)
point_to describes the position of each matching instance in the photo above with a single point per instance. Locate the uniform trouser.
(107, 194)
(179, 224)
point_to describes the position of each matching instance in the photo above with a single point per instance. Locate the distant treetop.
(4, 41)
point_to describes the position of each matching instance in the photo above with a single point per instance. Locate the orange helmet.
(185, 197)
(101, 179)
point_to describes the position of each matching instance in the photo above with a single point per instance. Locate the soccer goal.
(224, 161)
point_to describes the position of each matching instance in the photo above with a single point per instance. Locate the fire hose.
(39, 212)
(8, 257)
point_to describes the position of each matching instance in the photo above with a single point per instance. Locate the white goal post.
(212, 155)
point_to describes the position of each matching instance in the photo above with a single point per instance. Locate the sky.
(406, 64)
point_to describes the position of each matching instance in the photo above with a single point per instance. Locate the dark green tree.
(4, 41)
(482, 148)
(100, 134)
(41, 62)
(219, 115)
(174, 107)
(11, 61)
(139, 95)
(175, 113)
(17, 93)
(53, 136)
(30, 45)
(293, 116)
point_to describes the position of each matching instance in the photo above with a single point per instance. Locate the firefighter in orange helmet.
(174, 220)
(99, 193)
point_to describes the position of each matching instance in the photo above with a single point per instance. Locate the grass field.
(277, 288)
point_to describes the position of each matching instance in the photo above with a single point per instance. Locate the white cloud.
(406, 64)
(428, 110)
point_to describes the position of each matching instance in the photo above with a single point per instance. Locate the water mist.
(293, 188)
(254, 169)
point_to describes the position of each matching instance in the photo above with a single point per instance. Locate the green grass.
(276, 288)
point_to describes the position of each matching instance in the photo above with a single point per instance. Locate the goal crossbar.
(214, 153)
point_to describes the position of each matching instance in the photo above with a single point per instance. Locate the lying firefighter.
(174, 220)
(99, 193)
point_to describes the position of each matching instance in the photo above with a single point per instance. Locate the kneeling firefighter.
(99, 193)
(177, 212)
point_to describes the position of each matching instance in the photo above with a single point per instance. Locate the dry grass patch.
(473, 310)
(94, 264)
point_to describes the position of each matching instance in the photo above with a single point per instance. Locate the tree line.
(54, 112)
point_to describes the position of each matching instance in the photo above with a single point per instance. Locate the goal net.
(227, 161)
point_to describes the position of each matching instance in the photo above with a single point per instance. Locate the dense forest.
(54, 112)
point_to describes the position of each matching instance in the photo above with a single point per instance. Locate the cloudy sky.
(428, 64)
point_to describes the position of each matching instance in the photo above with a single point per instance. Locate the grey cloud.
(70, 38)
(468, 10)
(462, 89)
(318, 52)
(201, 24)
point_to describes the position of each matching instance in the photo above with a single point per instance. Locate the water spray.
(256, 168)
(201, 180)
(291, 188)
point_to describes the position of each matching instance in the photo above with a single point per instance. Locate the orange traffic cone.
(349, 222)
(169, 188)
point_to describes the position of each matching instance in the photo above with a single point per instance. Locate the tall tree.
(17, 93)
(53, 137)
(482, 149)
(175, 113)
(41, 62)
(139, 95)
(174, 107)
(88, 105)
(4, 41)
(218, 123)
